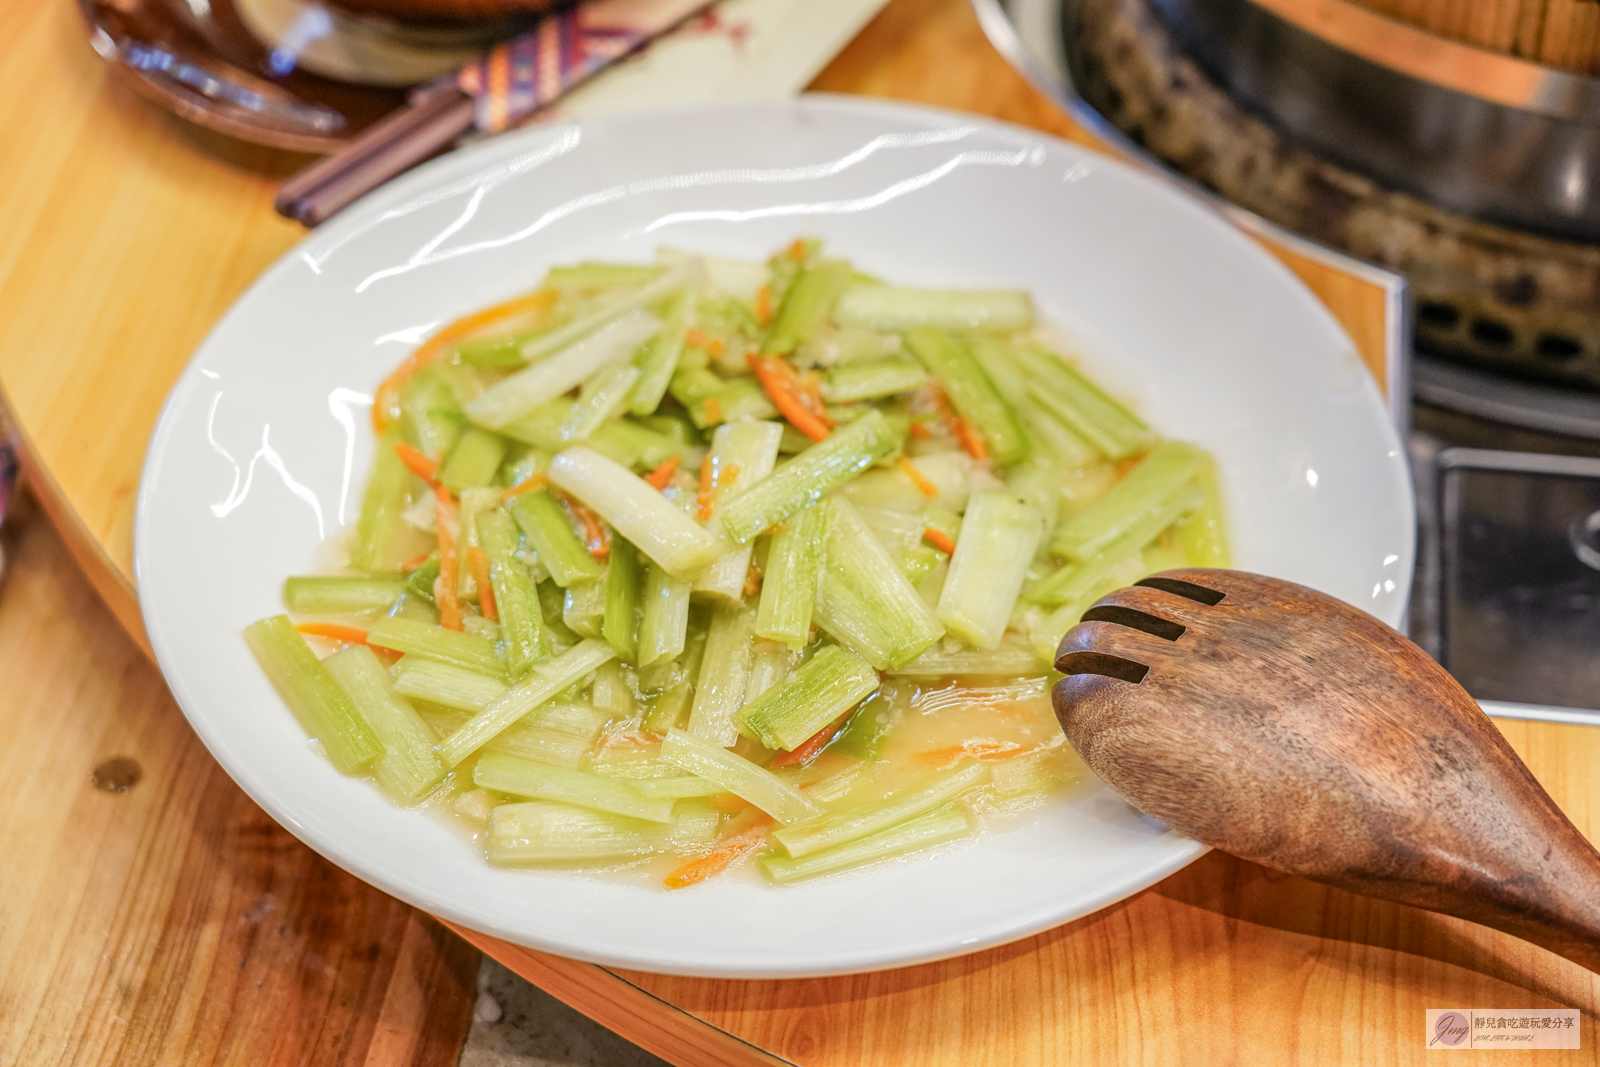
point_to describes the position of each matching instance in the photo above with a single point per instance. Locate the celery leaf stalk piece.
(1152, 482)
(640, 513)
(806, 478)
(828, 685)
(541, 686)
(888, 307)
(866, 602)
(511, 398)
(323, 708)
(937, 827)
(1000, 533)
(739, 776)
(410, 766)
(742, 453)
(794, 572)
(972, 393)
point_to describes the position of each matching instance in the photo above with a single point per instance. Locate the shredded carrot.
(752, 581)
(981, 750)
(478, 560)
(728, 802)
(971, 441)
(444, 587)
(940, 540)
(536, 480)
(764, 306)
(919, 431)
(728, 849)
(418, 464)
(811, 390)
(661, 477)
(918, 479)
(711, 344)
(777, 380)
(810, 747)
(350, 635)
(415, 561)
(388, 395)
(713, 410)
(796, 251)
(595, 538)
(706, 497)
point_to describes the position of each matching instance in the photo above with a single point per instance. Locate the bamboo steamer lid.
(1557, 33)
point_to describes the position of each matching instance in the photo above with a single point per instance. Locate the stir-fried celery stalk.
(511, 398)
(1075, 581)
(794, 572)
(590, 275)
(432, 415)
(610, 692)
(474, 460)
(535, 347)
(323, 708)
(343, 595)
(659, 359)
(1050, 435)
(524, 778)
(999, 536)
(1102, 575)
(724, 674)
(1143, 490)
(447, 685)
(410, 766)
(551, 534)
(664, 623)
(672, 702)
(655, 525)
(584, 610)
(886, 307)
(601, 398)
(938, 827)
(865, 602)
(516, 596)
(543, 684)
(972, 393)
(737, 401)
(806, 306)
(852, 824)
(870, 379)
(678, 787)
(1200, 535)
(622, 597)
(1011, 658)
(632, 445)
(739, 776)
(1079, 404)
(433, 642)
(805, 479)
(381, 507)
(543, 832)
(549, 747)
(474, 502)
(741, 453)
(828, 685)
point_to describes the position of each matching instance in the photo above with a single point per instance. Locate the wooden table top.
(128, 234)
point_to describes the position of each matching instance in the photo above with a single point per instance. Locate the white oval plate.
(263, 446)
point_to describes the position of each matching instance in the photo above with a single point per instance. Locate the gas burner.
(1489, 289)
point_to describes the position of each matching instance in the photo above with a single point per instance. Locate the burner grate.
(1484, 293)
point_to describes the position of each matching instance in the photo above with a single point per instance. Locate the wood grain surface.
(128, 234)
(1286, 727)
(174, 922)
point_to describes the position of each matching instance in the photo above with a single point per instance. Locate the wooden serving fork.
(1289, 728)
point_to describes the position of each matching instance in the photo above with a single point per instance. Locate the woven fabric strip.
(521, 75)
